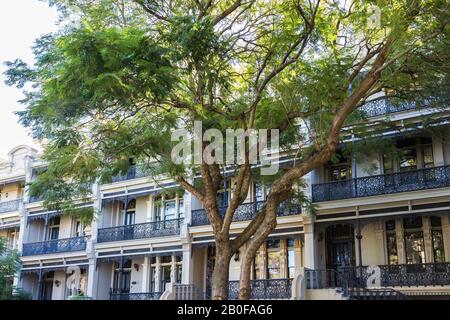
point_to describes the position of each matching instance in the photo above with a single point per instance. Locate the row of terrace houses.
(375, 217)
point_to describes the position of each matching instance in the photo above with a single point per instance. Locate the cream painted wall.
(11, 192)
(136, 276)
(141, 210)
(368, 166)
(199, 265)
(104, 275)
(58, 291)
(372, 247)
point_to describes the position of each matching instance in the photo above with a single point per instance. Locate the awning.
(134, 193)
(12, 225)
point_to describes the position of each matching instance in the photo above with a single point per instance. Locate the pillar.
(309, 251)
(446, 235)
(426, 227)
(92, 279)
(146, 275)
(187, 276)
(400, 241)
(149, 214)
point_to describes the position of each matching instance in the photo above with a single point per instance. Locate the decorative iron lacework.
(133, 173)
(245, 212)
(430, 178)
(400, 275)
(263, 289)
(135, 296)
(54, 246)
(383, 106)
(141, 230)
(8, 206)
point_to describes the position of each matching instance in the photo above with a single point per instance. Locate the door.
(340, 246)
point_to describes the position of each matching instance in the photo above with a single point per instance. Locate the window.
(427, 154)
(78, 229)
(414, 243)
(53, 228)
(181, 208)
(273, 259)
(131, 213)
(260, 191)
(391, 242)
(408, 160)
(437, 238)
(340, 172)
(290, 258)
(169, 209)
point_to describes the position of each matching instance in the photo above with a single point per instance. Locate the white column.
(173, 270)
(309, 251)
(438, 152)
(400, 241)
(158, 274)
(187, 265)
(149, 214)
(146, 275)
(92, 278)
(446, 235)
(429, 256)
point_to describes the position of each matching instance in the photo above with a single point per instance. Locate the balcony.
(9, 206)
(423, 179)
(382, 106)
(263, 289)
(133, 173)
(54, 246)
(400, 275)
(245, 212)
(140, 231)
(135, 296)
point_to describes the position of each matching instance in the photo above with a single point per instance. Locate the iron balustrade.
(140, 230)
(400, 275)
(135, 296)
(322, 278)
(133, 173)
(422, 179)
(189, 292)
(244, 212)
(54, 246)
(9, 206)
(263, 289)
(384, 106)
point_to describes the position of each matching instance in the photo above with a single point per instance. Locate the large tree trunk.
(221, 271)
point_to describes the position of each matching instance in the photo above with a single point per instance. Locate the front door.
(340, 246)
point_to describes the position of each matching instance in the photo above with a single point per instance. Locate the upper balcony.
(133, 173)
(140, 230)
(422, 179)
(54, 246)
(383, 106)
(245, 212)
(9, 206)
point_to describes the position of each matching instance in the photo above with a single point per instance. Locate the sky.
(21, 22)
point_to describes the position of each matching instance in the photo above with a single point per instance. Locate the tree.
(9, 265)
(121, 76)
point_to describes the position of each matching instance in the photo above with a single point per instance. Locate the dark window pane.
(275, 243)
(412, 222)
(438, 246)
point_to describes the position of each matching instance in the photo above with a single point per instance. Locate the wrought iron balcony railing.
(135, 296)
(430, 178)
(9, 206)
(133, 173)
(401, 275)
(263, 289)
(383, 106)
(245, 212)
(54, 246)
(140, 230)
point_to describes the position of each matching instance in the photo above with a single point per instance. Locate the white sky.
(21, 22)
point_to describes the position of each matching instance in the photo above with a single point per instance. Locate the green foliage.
(9, 265)
(21, 294)
(120, 76)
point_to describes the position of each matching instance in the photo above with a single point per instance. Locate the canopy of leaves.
(120, 76)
